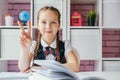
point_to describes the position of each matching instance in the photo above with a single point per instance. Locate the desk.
(103, 75)
(13, 76)
(81, 75)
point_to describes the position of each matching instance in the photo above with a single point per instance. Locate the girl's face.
(48, 24)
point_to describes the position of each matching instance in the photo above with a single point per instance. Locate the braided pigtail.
(37, 46)
(57, 48)
(57, 41)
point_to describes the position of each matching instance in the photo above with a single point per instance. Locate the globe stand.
(23, 23)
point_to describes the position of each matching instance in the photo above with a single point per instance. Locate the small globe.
(24, 16)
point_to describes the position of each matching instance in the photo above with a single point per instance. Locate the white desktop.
(81, 75)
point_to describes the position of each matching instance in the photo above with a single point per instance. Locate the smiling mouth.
(49, 31)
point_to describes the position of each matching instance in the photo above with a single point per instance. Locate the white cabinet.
(111, 13)
(111, 65)
(87, 43)
(10, 47)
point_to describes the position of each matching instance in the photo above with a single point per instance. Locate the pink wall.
(111, 43)
(87, 65)
(13, 66)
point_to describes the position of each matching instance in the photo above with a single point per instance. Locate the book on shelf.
(53, 70)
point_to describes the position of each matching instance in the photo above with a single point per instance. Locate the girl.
(48, 46)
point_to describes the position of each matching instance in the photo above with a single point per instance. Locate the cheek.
(40, 29)
(56, 30)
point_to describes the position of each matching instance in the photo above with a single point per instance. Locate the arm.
(24, 61)
(25, 42)
(72, 62)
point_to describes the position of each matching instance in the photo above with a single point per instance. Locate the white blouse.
(67, 46)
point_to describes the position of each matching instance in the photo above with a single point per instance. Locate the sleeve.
(33, 47)
(68, 47)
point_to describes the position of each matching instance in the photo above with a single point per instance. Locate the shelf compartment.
(111, 65)
(111, 43)
(111, 13)
(10, 47)
(83, 7)
(86, 42)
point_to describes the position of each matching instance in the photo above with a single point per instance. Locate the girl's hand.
(25, 36)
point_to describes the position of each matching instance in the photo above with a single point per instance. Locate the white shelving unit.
(88, 39)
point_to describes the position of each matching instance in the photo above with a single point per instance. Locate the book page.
(56, 67)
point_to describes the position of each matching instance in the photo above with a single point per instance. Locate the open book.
(53, 70)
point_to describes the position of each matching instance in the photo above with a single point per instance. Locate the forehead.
(48, 13)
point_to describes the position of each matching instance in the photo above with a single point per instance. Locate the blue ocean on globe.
(24, 16)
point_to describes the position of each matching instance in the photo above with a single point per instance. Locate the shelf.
(8, 58)
(19, 1)
(111, 27)
(11, 27)
(83, 1)
(111, 59)
(84, 27)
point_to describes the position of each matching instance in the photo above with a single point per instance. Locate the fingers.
(23, 40)
(29, 26)
(21, 27)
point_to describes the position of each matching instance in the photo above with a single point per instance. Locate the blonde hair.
(39, 37)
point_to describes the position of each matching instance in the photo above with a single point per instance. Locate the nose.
(48, 25)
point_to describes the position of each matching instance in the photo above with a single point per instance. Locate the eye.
(53, 22)
(44, 22)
